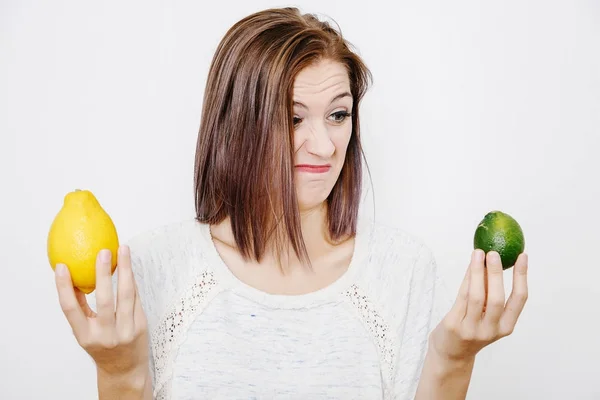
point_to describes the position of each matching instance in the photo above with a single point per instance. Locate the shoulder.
(164, 259)
(164, 239)
(168, 248)
(396, 254)
(399, 272)
(393, 294)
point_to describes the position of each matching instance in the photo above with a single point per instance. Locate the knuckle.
(125, 289)
(67, 307)
(523, 295)
(127, 336)
(84, 341)
(451, 325)
(126, 295)
(104, 302)
(142, 328)
(468, 335)
(103, 339)
(110, 343)
(140, 320)
(507, 330)
(487, 335)
(495, 269)
(495, 303)
(520, 297)
(477, 301)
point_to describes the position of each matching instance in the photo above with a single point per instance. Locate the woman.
(277, 289)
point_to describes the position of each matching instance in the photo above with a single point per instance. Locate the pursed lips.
(313, 168)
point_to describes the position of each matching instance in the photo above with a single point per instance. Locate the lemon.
(500, 232)
(78, 232)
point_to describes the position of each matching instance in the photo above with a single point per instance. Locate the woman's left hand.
(480, 316)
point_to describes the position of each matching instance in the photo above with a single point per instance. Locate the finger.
(140, 321)
(494, 306)
(105, 303)
(87, 311)
(459, 309)
(518, 296)
(138, 310)
(137, 307)
(485, 287)
(125, 292)
(68, 301)
(476, 298)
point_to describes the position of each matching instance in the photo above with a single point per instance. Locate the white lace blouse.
(214, 337)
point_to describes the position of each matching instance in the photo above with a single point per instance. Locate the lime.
(500, 232)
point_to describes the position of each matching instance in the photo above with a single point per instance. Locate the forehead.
(322, 80)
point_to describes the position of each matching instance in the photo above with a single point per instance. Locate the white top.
(214, 337)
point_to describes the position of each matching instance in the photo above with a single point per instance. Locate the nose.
(319, 142)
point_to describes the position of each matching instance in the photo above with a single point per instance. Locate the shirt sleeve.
(428, 304)
(140, 276)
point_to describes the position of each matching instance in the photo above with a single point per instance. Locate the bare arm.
(444, 379)
(134, 386)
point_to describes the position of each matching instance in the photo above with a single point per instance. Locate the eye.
(297, 121)
(339, 116)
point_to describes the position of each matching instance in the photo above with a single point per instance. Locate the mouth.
(315, 169)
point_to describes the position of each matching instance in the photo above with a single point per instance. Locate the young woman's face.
(322, 129)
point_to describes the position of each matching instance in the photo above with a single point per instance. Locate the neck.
(314, 232)
(314, 227)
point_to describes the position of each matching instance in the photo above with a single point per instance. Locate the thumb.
(68, 300)
(81, 299)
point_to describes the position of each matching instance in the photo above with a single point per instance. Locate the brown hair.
(244, 155)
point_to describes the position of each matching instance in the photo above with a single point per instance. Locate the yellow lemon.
(79, 231)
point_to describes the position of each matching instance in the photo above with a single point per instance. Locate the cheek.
(297, 139)
(340, 140)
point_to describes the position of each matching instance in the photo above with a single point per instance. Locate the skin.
(479, 317)
(322, 131)
(117, 340)
(116, 337)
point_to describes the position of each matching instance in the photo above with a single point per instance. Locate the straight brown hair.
(244, 154)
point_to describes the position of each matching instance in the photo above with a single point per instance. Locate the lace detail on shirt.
(169, 333)
(380, 330)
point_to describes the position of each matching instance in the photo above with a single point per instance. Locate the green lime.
(500, 232)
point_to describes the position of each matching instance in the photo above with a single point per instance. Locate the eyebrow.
(339, 96)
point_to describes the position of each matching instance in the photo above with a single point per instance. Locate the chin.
(310, 203)
(313, 194)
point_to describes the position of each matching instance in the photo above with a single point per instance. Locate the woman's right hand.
(115, 337)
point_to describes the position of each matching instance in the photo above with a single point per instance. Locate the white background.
(476, 106)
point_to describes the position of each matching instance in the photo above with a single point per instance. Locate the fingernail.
(60, 270)
(525, 259)
(124, 250)
(479, 254)
(494, 257)
(105, 255)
